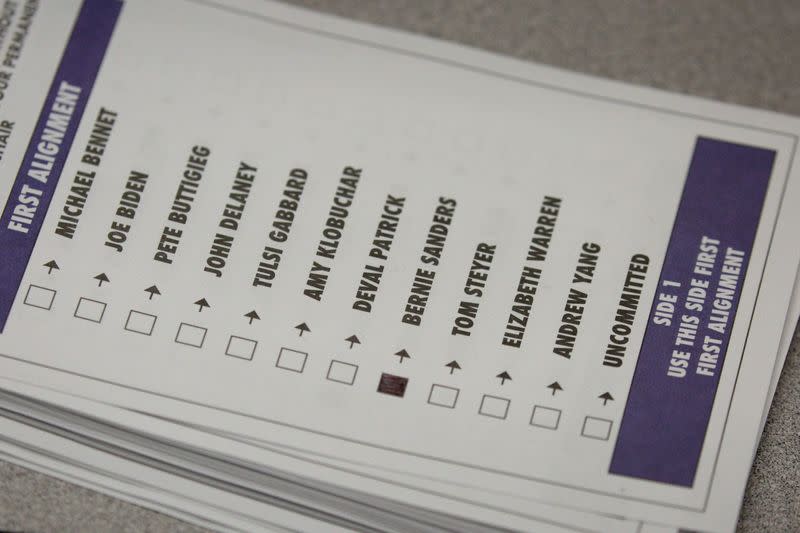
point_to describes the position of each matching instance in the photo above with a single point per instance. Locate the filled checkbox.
(241, 347)
(89, 309)
(494, 406)
(139, 322)
(443, 396)
(545, 417)
(191, 335)
(40, 297)
(342, 372)
(596, 428)
(392, 385)
(293, 360)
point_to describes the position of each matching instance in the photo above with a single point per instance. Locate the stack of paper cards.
(264, 269)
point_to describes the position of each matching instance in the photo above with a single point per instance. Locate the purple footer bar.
(679, 365)
(50, 143)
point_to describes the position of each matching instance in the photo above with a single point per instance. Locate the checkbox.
(443, 396)
(89, 309)
(191, 335)
(241, 347)
(342, 372)
(40, 297)
(494, 406)
(545, 417)
(392, 385)
(293, 360)
(596, 428)
(139, 322)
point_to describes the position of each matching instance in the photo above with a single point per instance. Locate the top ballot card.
(591, 277)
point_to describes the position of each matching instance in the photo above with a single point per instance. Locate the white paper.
(523, 167)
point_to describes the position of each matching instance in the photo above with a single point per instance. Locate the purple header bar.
(50, 144)
(677, 372)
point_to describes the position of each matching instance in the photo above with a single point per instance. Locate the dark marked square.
(392, 385)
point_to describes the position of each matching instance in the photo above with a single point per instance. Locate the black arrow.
(202, 303)
(453, 366)
(503, 377)
(303, 328)
(352, 339)
(403, 354)
(51, 265)
(252, 315)
(555, 386)
(153, 290)
(605, 397)
(101, 278)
